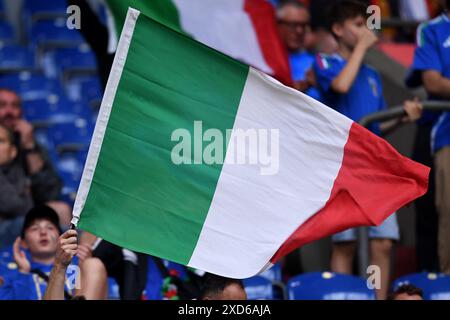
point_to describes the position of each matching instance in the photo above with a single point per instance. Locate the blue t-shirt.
(301, 62)
(29, 286)
(433, 53)
(364, 97)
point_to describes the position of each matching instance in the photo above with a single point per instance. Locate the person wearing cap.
(40, 248)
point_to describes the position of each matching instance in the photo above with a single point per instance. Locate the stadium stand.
(46, 33)
(328, 286)
(36, 10)
(6, 32)
(259, 288)
(70, 60)
(16, 58)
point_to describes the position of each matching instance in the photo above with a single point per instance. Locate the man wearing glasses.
(293, 21)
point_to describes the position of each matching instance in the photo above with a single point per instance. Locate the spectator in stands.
(32, 160)
(406, 292)
(324, 40)
(354, 89)
(431, 68)
(293, 25)
(27, 277)
(220, 288)
(15, 195)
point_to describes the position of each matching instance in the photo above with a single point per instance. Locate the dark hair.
(295, 3)
(10, 91)
(343, 10)
(409, 289)
(40, 212)
(214, 285)
(287, 3)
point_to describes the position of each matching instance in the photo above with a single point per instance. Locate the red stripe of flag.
(374, 181)
(262, 15)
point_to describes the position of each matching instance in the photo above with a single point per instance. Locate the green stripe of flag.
(163, 11)
(168, 82)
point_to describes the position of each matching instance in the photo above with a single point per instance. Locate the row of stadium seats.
(81, 88)
(53, 62)
(37, 10)
(44, 22)
(327, 286)
(41, 30)
(333, 286)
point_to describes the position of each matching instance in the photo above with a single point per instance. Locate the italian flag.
(322, 173)
(243, 29)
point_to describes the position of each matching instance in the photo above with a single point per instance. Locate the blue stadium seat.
(70, 168)
(45, 6)
(82, 156)
(60, 60)
(435, 286)
(35, 10)
(84, 88)
(70, 187)
(6, 32)
(54, 32)
(31, 86)
(41, 136)
(259, 288)
(273, 274)
(16, 58)
(68, 162)
(328, 286)
(50, 110)
(76, 135)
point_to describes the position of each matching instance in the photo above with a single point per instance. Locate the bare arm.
(66, 250)
(55, 286)
(413, 110)
(344, 81)
(436, 84)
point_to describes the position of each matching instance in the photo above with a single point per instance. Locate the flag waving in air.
(202, 160)
(243, 29)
